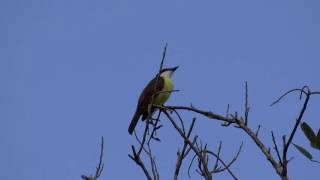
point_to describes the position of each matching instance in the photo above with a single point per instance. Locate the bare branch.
(194, 148)
(144, 137)
(315, 93)
(246, 106)
(298, 121)
(156, 127)
(181, 122)
(257, 132)
(163, 56)
(217, 159)
(153, 163)
(181, 155)
(276, 148)
(226, 166)
(286, 93)
(136, 158)
(100, 166)
(208, 114)
(234, 119)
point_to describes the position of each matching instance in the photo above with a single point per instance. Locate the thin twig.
(136, 158)
(286, 93)
(216, 164)
(276, 148)
(227, 166)
(233, 160)
(181, 155)
(153, 164)
(155, 128)
(246, 106)
(144, 137)
(181, 121)
(194, 148)
(257, 132)
(100, 166)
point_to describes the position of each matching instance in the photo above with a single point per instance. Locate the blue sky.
(71, 71)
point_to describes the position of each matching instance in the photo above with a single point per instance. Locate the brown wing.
(152, 88)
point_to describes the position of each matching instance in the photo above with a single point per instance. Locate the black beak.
(175, 68)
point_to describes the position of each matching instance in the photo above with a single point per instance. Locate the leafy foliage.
(309, 133)
(303, 151)
(312, 137)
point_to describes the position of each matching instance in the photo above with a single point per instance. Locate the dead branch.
(136, 158)
(246, 106)
(233, 120)
(207, 175)
(226, 166)
(100, 166)
(201, 153)
(185, 150)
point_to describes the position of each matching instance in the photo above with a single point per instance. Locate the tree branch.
(100, 166)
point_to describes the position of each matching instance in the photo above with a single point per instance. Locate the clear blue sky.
(71, 71)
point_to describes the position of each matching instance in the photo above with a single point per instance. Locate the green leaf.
(318, 140)
(308, 132)
(303, 151)
(314, 144)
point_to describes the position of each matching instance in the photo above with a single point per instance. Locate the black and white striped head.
(168, 72)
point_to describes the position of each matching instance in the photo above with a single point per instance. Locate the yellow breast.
(164, 94)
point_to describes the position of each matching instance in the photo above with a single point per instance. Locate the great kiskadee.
(158, 90)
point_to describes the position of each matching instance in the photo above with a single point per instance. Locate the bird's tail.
(134, 122)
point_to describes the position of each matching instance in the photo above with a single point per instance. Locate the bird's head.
(167, 72)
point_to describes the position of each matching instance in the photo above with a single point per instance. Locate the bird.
(157, 90)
